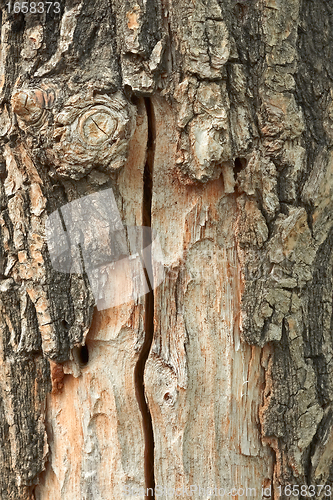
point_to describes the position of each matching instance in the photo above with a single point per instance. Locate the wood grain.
(203, 384)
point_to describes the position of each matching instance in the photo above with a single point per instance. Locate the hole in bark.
(167, 396)
(240, 164)
(82, 355)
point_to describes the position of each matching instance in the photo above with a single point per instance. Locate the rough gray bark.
(218, 117)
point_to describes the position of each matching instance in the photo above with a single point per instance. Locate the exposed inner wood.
(203, 383)
(98, 431)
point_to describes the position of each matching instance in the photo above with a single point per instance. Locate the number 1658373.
(33, 7)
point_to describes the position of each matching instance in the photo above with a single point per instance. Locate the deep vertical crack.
(149, 314)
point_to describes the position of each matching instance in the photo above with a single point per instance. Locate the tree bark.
(211, 121)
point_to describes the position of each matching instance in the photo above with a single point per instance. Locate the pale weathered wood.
(94, 424)
(203, 385)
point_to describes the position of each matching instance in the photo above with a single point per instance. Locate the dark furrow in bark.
(149, 314)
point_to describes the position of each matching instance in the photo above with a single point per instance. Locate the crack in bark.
(149, 313)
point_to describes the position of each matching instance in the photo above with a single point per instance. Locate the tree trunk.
(211, 122)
